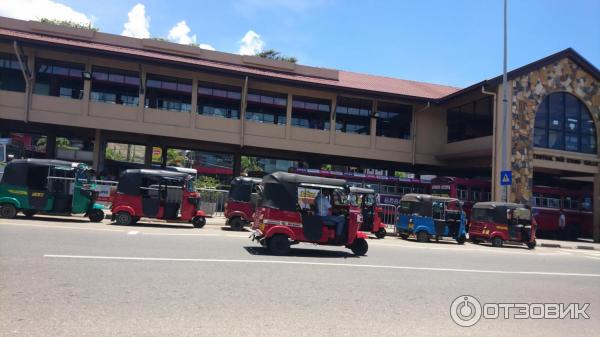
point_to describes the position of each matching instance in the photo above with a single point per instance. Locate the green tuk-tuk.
(48, 186)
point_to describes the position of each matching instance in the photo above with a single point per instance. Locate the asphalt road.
(73, 278)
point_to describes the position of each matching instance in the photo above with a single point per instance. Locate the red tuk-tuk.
(287, 214)
(366, 199)
(241, 202)
(157, 194)
(500, 222)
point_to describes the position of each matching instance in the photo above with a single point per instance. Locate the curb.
(557, 245)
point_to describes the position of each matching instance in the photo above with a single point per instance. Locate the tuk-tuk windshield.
(190, 186)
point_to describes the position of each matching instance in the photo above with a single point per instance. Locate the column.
(373, 124)
(97, 151)
(332, 120)
(237, 163)
(148, 155)
(288, 117)
(51, 146)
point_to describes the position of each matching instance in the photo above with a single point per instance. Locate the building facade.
(118, 102)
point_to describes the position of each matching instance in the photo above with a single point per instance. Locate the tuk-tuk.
(500, 222)
(158, 194)
(241, 202)
(287, 213)
(429, 216)
(366, 199)
(50, 186)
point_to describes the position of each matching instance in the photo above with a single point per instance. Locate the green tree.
(272, 54)
(176, 157)
(251, 164)
(207, 182)
(69, 23)
(113, 154)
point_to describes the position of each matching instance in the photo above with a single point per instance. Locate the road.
(74, 278)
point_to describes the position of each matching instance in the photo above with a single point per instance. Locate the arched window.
(562, 122)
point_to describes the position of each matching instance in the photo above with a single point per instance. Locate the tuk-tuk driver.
(323, 210)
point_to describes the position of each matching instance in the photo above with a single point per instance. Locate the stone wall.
(528, 91)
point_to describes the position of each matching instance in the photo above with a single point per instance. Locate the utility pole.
(505, 126)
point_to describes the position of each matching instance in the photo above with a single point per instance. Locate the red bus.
(547, 203)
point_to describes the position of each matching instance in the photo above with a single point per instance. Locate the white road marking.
(477, 271)
(459, 248)
(62, 227)
(181, 234)
(133, 233)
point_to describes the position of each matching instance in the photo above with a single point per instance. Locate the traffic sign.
(505, 178)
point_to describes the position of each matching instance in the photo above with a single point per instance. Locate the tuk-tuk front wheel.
(199, 221)
(359, 247)
(8, 211)
(380, 234)
(423, 236)
(236, 223)
(96, 215)
(123, 219)
(29, 213)
(497, 241)
(532, 244)
(279, 244)
(461, 240)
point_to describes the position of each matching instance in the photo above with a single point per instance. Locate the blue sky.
(455, 42)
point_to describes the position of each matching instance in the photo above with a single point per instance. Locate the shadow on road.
(303, 252)
(155, 225)
(63, 218)
(229, 229)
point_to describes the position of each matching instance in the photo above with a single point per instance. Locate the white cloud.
(207, 46)
(38, 9)
(138, 24)
(180, 33)
(251, 44)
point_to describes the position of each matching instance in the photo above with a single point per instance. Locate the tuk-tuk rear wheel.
(461, 240)
(199, 221)
(531, 245)
(423, 236)
(279, 244)
(497, 241)
(8, 211)
(236, 223)
(359, 247)
(123, 219)
(96, 215)
(380, 234)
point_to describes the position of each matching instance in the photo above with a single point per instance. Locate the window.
(11, 76)
(115, 86)
(471, 120)
(311, 113)
(353, 116)
(266, 108)
(60, 79)
(131, 153)
(394, 120)
(168, 93)
(219, 101)
(563, 122)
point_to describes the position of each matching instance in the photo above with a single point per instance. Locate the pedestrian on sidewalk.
(561, 225)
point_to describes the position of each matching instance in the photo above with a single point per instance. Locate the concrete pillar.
(596, 208)
(194, 108)
(148, 155)
(373, 124)
(237, 163)
(97, 151)
(51, 146)
(163, 160)
(332, 120)
(87, 89)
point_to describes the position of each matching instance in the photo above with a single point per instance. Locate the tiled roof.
(347, 80)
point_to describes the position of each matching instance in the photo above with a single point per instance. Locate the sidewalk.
(568, 244)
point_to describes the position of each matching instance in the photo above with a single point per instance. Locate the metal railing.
(388, 216)
(212, 201)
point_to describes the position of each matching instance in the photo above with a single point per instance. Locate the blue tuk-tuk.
(429, 217)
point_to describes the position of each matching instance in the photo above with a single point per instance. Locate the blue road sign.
(505, 178)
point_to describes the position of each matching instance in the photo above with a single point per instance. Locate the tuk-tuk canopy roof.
(280, 189)
(361, 190)
(292, 178)
(245, 180)
(157, 173)
(43, 162)
(494, 204)
(414, 197)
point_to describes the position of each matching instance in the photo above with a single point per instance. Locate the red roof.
(349, 80)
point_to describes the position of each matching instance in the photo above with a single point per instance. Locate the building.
(116, 101)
